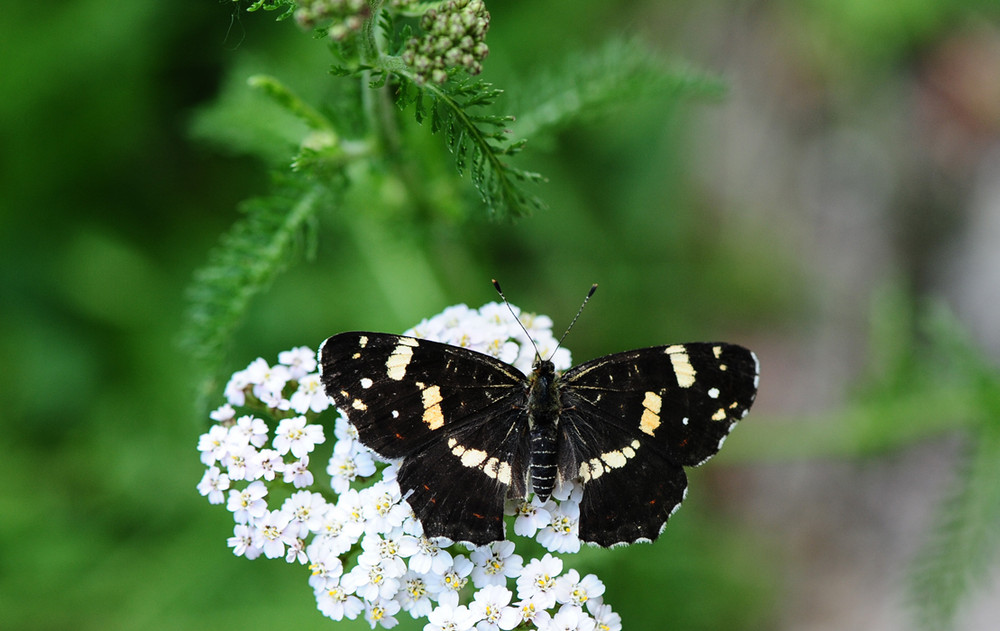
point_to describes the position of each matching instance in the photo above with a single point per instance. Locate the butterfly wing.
(455, 417)
(631, 421)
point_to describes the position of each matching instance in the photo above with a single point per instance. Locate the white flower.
(347, 466)
(310, 395)
(338, 603)
(249, 503)
(273, 534)
(431, 556)
(562, 532)
(349, 505)
(307, 510)
(325, 568)
(383, 506)
(386, 552)
(568, 490)
(248, 430)
(382, 612)
(295, 436)
(370, 581)
(531, 516)
(606, 619)
(455, 578)
(494, 563)
(300, 361)
(272, 399)
(345, 433)
(214, 484)
(333, 536)
(242, 542)
(235, 391)
(297, 473)
(414, 594)
(236, 461)
(268, 381)
(222, 413)
(497, 314)
(450, 616)
(571, 618)
(213, 445)
(530, 611)
(573, 590)
(265, 464)
(538, 580)
(296, 551)
(491, 606)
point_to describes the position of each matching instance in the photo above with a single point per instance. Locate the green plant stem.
(369, 48)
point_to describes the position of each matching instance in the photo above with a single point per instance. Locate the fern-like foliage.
(286, 7)
(479, 140)
(242, 265)
(955, 561)
(966, 537)
(588, 85)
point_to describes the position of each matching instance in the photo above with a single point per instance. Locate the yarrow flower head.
(345, 17)
(366, 553)
(454, 36)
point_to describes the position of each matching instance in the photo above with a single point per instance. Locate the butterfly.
(471, 431)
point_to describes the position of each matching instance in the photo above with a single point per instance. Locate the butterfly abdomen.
(543, 419)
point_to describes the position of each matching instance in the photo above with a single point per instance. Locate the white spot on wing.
(681, 363)
(433, 416)
(473, 457)
(399, 359)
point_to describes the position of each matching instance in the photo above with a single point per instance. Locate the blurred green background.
(853, 158)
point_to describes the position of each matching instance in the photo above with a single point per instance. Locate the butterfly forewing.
(681, 399)
(399, 392)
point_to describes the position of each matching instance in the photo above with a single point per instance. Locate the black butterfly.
(472, 430)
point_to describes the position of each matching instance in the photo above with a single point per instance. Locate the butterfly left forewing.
(454, 416)
(401, 392)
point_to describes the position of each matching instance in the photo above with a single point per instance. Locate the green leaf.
(473, 137)
(956, 559)
(589, 85)
(241, 266)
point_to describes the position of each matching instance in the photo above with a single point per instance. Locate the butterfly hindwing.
(458, 485)
(629, 488)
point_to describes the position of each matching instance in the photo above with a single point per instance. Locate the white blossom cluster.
(364, 548)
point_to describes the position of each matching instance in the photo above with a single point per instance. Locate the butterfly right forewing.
(632, 420)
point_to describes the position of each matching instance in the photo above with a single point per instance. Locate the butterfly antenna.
(496, 285)
(590, 293)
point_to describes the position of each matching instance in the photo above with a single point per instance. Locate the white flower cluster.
(359, 538)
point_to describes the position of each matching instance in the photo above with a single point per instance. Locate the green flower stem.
(368, 39)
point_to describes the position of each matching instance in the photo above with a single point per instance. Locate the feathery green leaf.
(474, 137)
(241, 266)
(588, 85)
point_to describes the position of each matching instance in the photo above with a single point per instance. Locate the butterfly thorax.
(543, 426)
